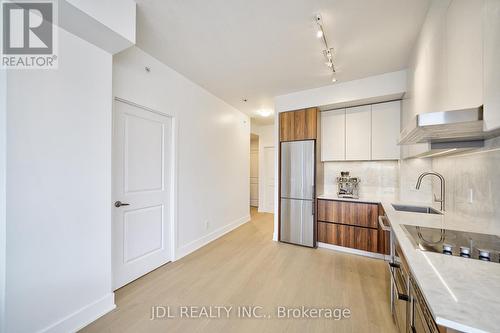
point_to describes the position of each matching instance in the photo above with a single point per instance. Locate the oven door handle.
(401, 296)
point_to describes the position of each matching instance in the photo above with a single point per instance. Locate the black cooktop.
(456, 243)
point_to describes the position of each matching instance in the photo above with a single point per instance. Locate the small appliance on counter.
(348, 187)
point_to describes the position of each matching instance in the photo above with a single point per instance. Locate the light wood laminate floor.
(245, 267)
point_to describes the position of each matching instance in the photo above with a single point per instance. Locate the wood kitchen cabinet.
(348, 236)
(349, 224)
(384, 234)
(298, 125)
(351, 213)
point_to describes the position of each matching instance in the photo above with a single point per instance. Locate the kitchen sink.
(416, 209)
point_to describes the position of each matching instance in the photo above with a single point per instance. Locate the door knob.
(119, 204)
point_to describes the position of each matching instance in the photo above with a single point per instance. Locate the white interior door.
(141, 182)
(254, 177)
(269, 179)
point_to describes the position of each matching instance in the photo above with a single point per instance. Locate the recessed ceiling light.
(265, 112)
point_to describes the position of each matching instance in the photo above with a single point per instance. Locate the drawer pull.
(382, 225)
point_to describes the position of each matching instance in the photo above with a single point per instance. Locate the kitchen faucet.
(442, 200)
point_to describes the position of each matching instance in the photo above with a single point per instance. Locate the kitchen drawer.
(359, 238)
(351, 213)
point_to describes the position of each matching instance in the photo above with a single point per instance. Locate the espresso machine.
(348, 187)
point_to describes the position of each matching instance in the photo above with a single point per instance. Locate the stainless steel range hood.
(449, 126)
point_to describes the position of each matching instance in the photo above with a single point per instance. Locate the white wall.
(58, 187)
(108, 24)
(370, 87)
(213, 141)
(266, 139)
(116, 14)
(3, 136)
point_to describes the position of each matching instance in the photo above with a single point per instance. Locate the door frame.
(266, 177)
(173, 202)
(257, 151)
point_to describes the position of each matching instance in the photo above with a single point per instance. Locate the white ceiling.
(258, 49)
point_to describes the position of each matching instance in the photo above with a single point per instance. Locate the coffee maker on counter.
(348, 187)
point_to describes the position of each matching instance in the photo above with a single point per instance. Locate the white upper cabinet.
(333, 135)
(358, 133)
(464, 55)
(455, 63)
(386, 118)
(491, 56)
(363, 133)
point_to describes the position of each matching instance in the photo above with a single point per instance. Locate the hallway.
(245, 267)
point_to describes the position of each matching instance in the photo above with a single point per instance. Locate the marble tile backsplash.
(380, 178)
(409, 170)
(472, 182)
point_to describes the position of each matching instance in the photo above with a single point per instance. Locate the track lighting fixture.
(328, 51)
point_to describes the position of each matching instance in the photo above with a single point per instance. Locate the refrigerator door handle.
(314, 196)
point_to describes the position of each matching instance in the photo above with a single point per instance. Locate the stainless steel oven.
(399, 282)
(409, 310)
(400, 287)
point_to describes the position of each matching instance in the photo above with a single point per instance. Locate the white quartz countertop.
(463, 294)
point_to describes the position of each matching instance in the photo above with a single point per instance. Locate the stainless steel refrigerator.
(297, 193)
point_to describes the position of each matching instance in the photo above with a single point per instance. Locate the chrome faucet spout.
(442, 200)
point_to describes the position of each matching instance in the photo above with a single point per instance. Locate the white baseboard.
(81, 318)
(351, 251)
(202, 241)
